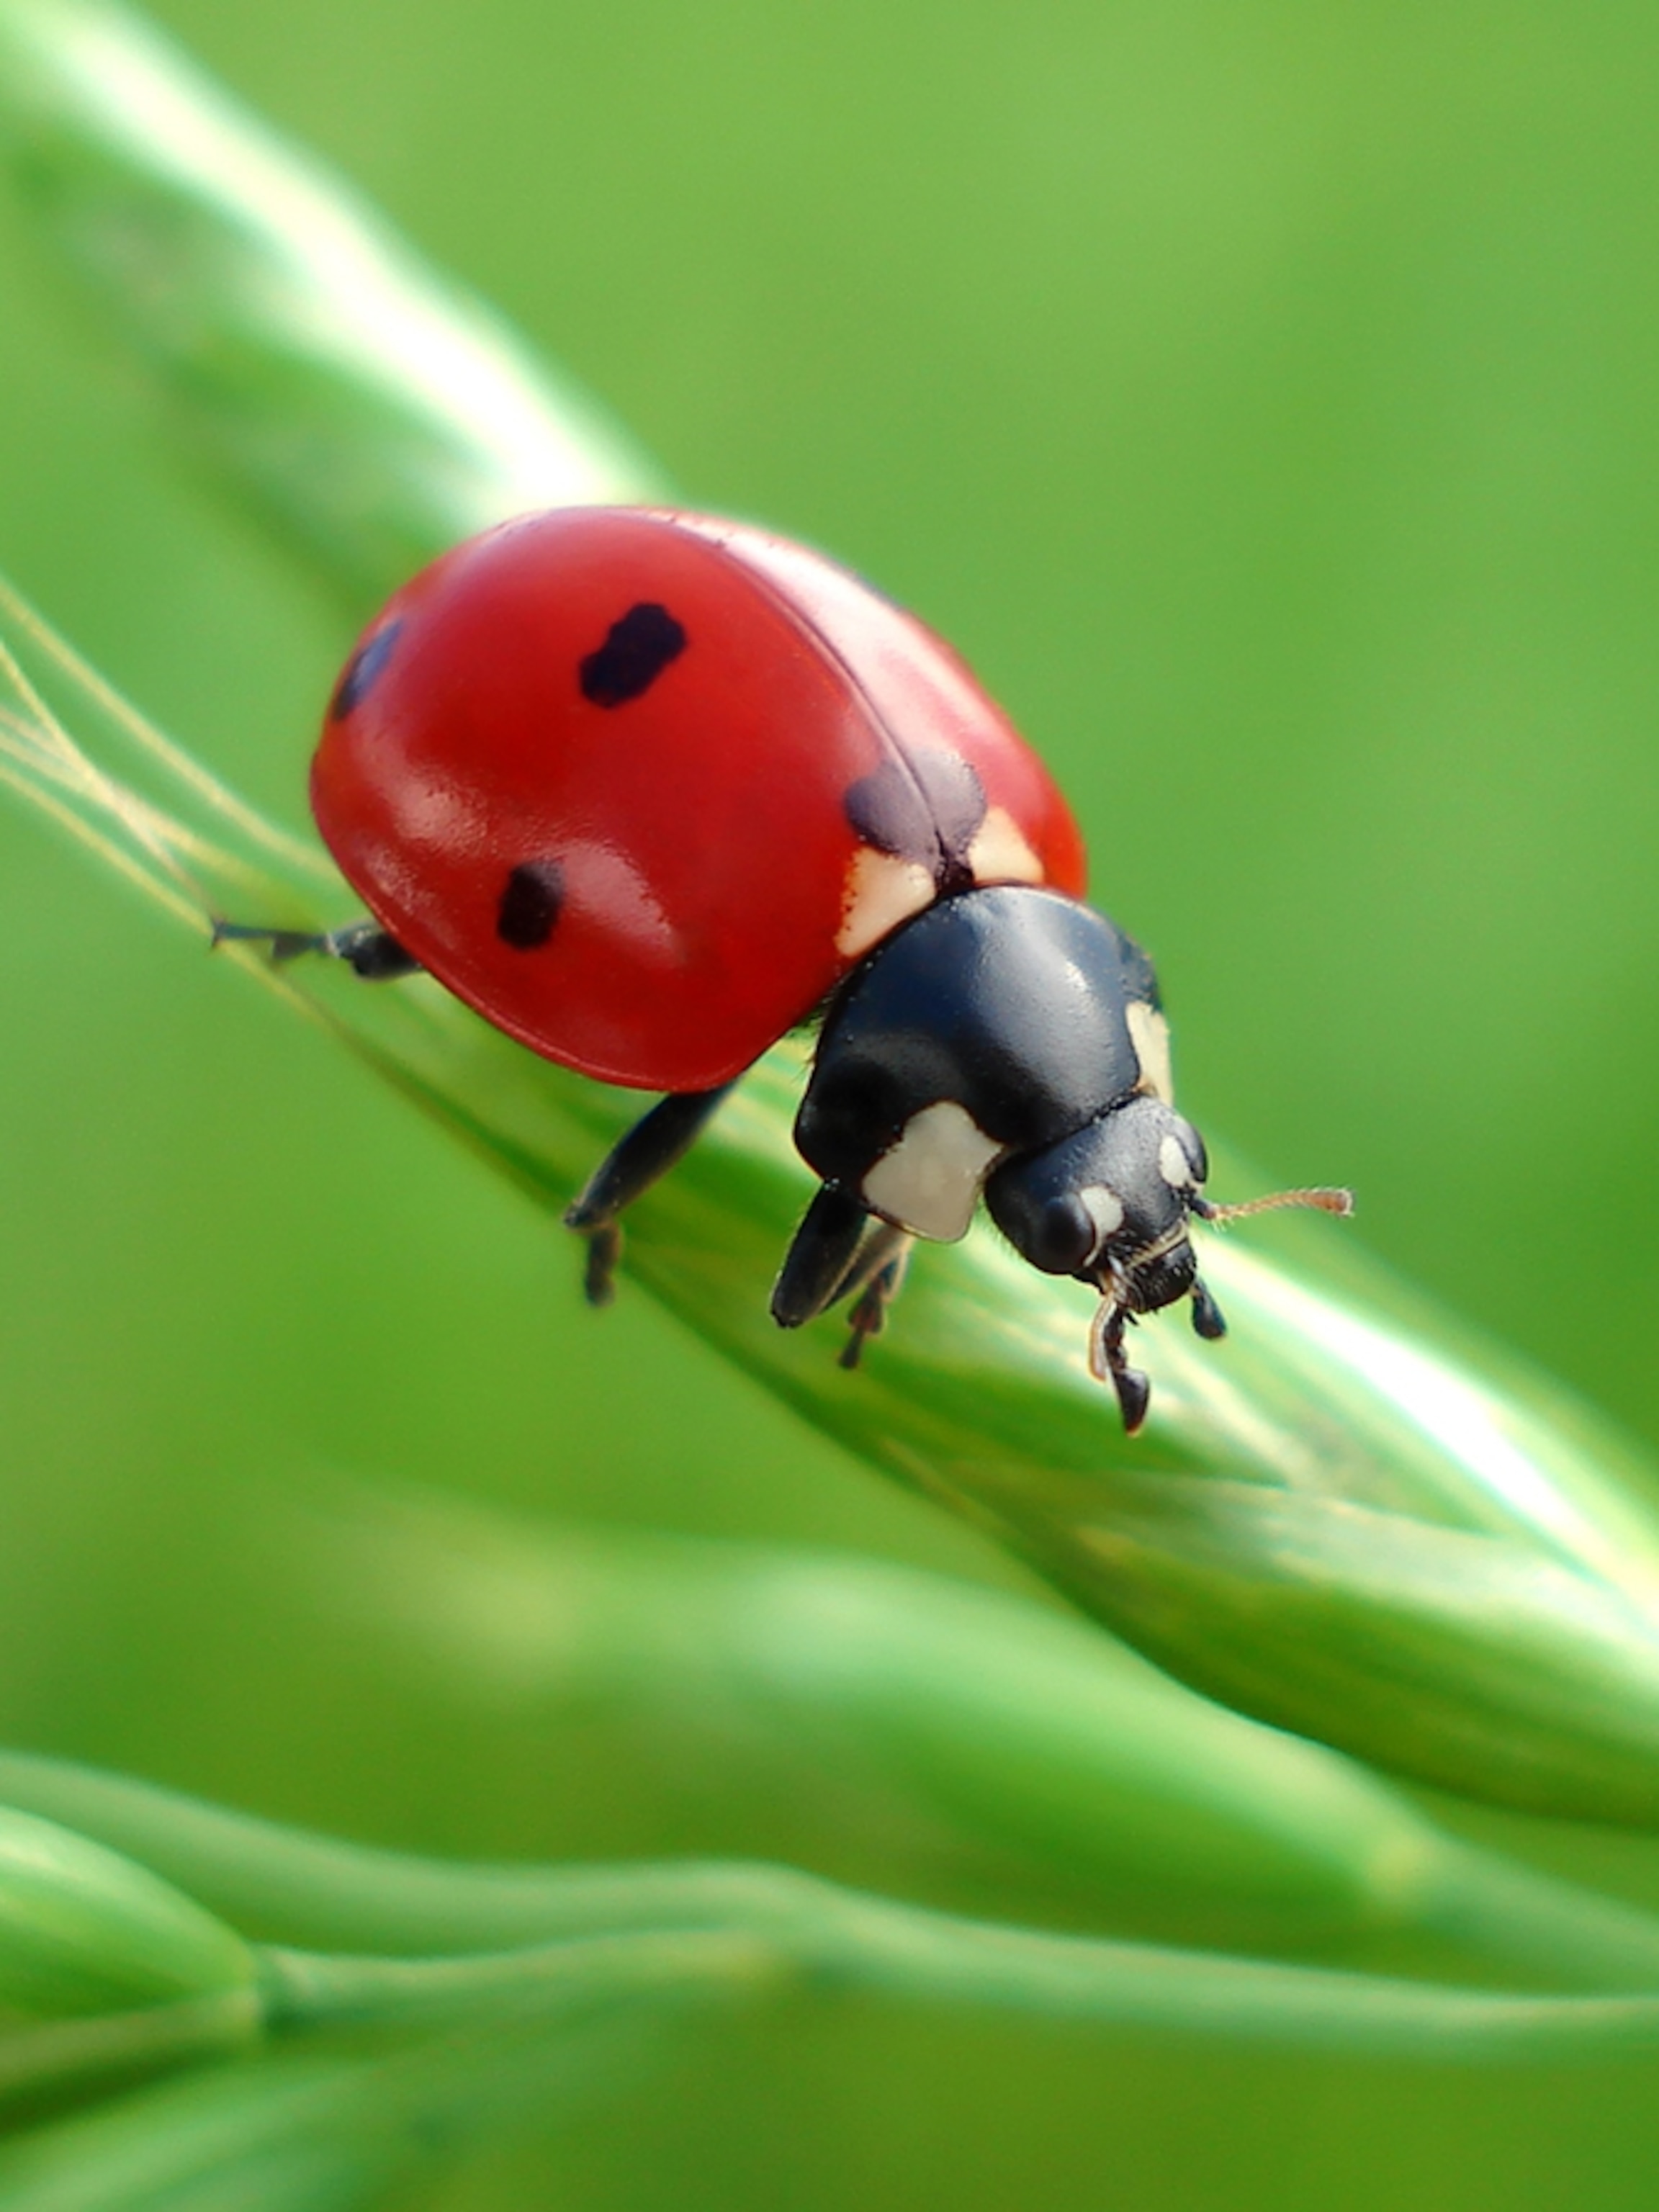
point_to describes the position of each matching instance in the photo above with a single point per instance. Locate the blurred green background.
(1264, 400)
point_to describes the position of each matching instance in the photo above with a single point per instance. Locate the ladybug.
(648, 789)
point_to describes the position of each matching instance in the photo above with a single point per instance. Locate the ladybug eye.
(1055, 1233)
(1064, 1237)
(530, 900)
(636, 650)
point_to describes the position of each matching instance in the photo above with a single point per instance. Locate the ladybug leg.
(1208, 1319)
(822, 1257)
(878, 1276)
(367, 948)
(640, 1158)
(1108, 1362)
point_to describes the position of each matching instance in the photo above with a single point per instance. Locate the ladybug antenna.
(1321, 1201)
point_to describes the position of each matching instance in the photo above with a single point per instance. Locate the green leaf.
(106, 1971)
(85, 1930)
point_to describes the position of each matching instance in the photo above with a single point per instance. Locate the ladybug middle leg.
(641, 1157)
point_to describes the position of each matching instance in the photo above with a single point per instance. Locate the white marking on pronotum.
(999, 853)
(881, 891)
(1104, 1208)
(929, 1183)
(1149, 1033)
(1173, 1164)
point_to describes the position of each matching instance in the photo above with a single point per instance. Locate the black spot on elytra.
(927, 809)
(363, 671)
(530, 900)
(636, 650)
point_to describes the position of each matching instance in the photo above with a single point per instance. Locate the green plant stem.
(83, 2056)
(324, 2128)
(824, 1940)
(300, 1889)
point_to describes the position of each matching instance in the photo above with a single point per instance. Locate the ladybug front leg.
(840, 1252)
(1207, 1318)
(821, 1256)
(1108, 1360)
(368, 949)
(656, 1141)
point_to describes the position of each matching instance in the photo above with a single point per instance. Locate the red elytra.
(641, 787)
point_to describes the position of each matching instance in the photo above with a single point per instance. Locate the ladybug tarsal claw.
(881, 1269)
(868, 1318)
(604, 1246)
(281, 943)
(1208, 1320)
(1134, 1395)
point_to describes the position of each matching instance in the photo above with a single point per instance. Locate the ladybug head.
(1111, 1204)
